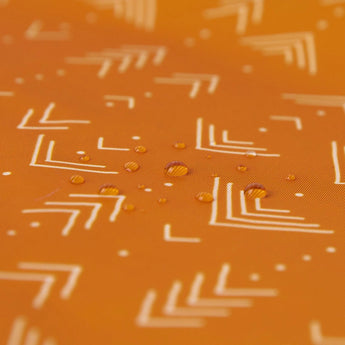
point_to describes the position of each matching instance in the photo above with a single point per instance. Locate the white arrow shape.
(45, 120)
(34, 32)
(170, 308)
(169, 238)
(73, 270)
(130, 100)
(318, 339)
(221, 289)
(194, 299)
(144, 318)
(36, 152)
(297, 120)
(46, 280)
(70, 223)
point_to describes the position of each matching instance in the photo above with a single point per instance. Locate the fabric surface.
(103, 103)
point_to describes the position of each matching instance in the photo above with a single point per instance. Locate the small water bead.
(180, 145)
(255, 190)
(242, 168)
(291, 177)
(176, 168)
(140, 149)
(141, 186)
(250, 154)
(128, 207)
(162, 200)
(108, 189)
(214, 174)
(84, 158)
(204, 197)
(77, 179)
(131, 166)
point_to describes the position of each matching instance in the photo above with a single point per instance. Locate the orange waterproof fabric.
(99, 78)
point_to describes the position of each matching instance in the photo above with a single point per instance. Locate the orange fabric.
(239, 82)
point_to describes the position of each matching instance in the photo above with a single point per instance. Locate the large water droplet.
(204, 197)
(131, 166)
(250, 154)
(176, 168)
(140, 149)
(77, 179)
(108, 189)
(242, 168)
(179, 145)
(255, 190)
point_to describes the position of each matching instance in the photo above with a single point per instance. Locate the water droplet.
(148, 190)
(11, 232)
(214, 174)
(208, 156)
(168, 184)
(136, 137)
(291, 177)
(176, 168)
(77, 179)
(255, 190)
(204, 197)
(7, 173)
(128, 207)
(140, 149)
(299, 195)
(131, 166)
(162, 200)
(35, 224)
(306, 257)
(141, 186)
(242, 168)
(108, 189)
(180, 145)
(250, 154)
(84, 158)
